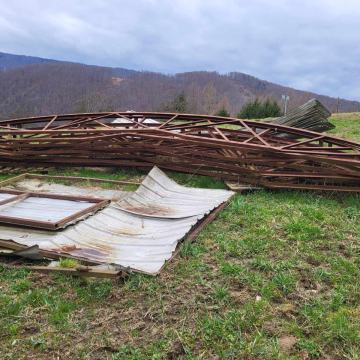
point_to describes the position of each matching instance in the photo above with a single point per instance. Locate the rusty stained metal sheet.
(159, 196)
(140, 233)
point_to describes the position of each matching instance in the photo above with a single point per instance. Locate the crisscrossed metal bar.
(270, 155)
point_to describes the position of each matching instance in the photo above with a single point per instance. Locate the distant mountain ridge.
(11, 61)
(36, 86)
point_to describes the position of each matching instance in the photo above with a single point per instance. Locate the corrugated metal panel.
(142, 241)
(5, 196)
(160, 196)
(43, 209)
(128, 121)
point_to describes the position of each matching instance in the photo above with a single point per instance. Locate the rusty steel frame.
(22, 195)
(256, 153)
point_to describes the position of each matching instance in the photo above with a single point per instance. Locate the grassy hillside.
(277, 275)
(347, 125)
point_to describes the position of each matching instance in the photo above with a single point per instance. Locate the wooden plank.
(77, 215)
(21, 195)
(82, 271)
(241, 187)
(13, 180)
(24, 176)
(81, 178)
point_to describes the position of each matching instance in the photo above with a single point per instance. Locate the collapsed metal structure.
(257, 153)
(311, 116)
(135, 231)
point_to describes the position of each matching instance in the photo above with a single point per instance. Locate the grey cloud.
(311, 45)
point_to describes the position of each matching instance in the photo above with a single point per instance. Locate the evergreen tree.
(178, 104)
(223, 112)
(260, 110)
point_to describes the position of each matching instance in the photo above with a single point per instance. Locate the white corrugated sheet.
(6, 196)
(140, 232)
(126, 121)
(159, 196)
(43, 209)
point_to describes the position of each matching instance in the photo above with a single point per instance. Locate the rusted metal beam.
(261, 154)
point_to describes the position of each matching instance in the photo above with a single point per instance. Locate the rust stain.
(87, 252)
(125, 231)
(149, 210)
(65, 248)
(83, 252)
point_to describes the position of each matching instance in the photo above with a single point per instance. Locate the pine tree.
(178, 104)
(259, 110)
(223, 112)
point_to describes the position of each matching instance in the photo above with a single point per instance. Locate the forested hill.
(36, 86)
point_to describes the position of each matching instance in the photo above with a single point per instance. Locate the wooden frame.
(22, 195)
(25, 176)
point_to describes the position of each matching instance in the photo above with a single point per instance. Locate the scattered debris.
(311, 116)
(80, 270)
(249, 152)
(140, 232)
(238, 187)
(83, 186)
(31, 252)
(73, 179)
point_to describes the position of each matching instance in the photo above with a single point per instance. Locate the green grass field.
(276, 276)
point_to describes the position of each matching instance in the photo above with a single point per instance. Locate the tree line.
(253, 109)
(58, 88)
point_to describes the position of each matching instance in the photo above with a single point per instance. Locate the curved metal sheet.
(159, 196)
(141, 241)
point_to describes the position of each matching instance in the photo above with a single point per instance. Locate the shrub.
(223, 112)
(259, 110)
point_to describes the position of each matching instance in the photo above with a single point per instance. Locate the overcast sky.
(310, 45)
